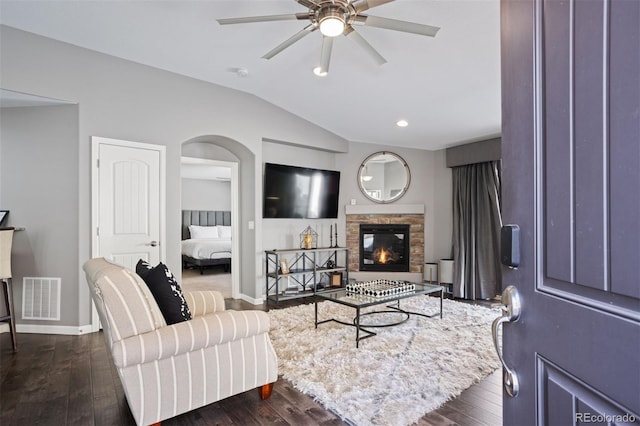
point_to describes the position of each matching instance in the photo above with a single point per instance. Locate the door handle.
(511, 309)
(153, 244)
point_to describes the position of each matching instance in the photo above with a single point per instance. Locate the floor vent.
(41, 298)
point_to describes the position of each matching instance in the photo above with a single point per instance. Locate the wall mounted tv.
(299, 192)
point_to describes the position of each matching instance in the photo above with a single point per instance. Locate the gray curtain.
(476, 231)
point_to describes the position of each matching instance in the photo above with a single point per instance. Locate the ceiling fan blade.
(362, 5)
(325, 57)
(251, 19)
(297, 36)
(351, 33)
(396, 25)
(307, 3)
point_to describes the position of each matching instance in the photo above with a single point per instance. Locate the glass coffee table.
(361, 301)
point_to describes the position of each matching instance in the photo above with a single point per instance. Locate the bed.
(210, 243)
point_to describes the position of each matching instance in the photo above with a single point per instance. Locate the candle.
(331, 235)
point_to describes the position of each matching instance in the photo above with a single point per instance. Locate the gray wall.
(430, 185)
(285, 233)
(442, 203)
(125, 100)
(39, 180)
(205, 194)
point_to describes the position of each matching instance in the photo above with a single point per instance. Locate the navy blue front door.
(571, 181)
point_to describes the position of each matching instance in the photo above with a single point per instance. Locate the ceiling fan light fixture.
(319, 72)
(331, 21)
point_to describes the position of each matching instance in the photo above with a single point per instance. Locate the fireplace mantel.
(384, 209)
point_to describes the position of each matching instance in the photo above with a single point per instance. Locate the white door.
(128, 201)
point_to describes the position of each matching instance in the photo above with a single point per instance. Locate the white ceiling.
(447, 87)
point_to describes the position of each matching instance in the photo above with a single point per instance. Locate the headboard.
(203, 218)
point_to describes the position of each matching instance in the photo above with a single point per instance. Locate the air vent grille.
(41, 298)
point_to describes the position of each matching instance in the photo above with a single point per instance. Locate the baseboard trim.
(53, 329)
(251, 300)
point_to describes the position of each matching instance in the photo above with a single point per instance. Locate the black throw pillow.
(165, 290)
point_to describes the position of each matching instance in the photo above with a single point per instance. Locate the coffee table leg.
(357, 327)
(441, 297)
(316, 310)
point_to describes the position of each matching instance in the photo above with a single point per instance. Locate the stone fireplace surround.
(412, 214)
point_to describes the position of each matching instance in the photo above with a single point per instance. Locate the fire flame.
(381, 255)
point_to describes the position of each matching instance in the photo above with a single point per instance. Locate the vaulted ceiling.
(447, 87)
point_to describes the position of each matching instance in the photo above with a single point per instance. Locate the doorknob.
(510, 313)
(153, 243)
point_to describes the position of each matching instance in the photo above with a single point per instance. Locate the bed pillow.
(165, 290)
(203, 231)
(224, 232)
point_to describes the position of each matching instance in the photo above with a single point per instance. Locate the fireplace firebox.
(384, 248)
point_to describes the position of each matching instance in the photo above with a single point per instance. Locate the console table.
(306, 269)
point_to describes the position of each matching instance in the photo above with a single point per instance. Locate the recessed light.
(402, 123)
(318, 71)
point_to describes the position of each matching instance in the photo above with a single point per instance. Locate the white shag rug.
(393, 378)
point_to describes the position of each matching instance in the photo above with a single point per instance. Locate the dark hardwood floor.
(70, 380)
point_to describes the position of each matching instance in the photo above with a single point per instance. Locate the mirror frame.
(397, 196)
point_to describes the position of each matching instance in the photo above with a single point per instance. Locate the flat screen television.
(299, 192)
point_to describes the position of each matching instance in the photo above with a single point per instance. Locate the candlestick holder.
(331, 235)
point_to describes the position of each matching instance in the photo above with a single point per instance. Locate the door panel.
(624, 157)
(558, 198)
(571, 161)
(567, 401)
(587, 78)
(129, 196)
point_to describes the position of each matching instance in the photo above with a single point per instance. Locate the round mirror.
(384, 177)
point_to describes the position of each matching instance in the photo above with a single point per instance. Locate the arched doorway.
(231, 152)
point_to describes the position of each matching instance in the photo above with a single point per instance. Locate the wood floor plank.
(80, 405)
(311, 409)
(210, 415)
(460, 418)
(435, 419)
(485, 395)
(479, 402)
(106, 409)
(56, 398)
(479, 414)
(297, 410)
(244, 409)
(6, 356)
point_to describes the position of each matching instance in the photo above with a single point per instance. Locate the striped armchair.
(168, 370)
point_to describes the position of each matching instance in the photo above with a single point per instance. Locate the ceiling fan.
(333, 18)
